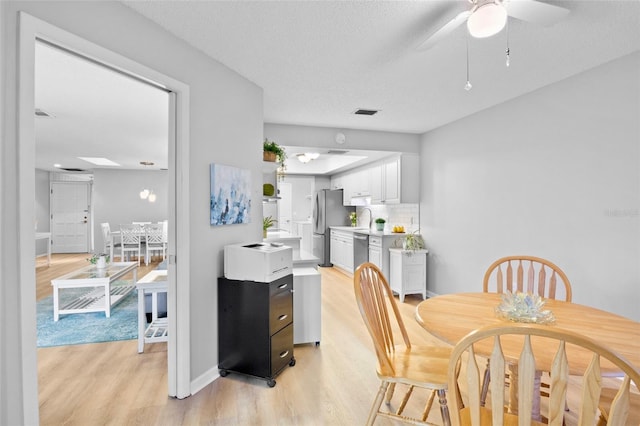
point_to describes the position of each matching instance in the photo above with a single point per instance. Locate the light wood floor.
(333, 384)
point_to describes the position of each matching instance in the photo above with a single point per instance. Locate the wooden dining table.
(450, 317)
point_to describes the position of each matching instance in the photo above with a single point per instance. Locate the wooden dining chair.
(542, 276)
(607, 397)
(131, 241)
(464, 374)
(415, 366)
(525, 274)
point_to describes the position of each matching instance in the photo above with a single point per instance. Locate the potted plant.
(353, 217)
(267, 222)
(380, 224)
(273, 152)
(99, 259)
(413, 241)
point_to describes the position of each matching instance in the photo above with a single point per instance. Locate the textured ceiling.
(318, 61)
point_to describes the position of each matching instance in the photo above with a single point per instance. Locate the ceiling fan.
(487, 17)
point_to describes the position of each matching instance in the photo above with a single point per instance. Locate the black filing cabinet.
(255, 327)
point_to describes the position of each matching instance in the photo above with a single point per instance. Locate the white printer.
(261, 262)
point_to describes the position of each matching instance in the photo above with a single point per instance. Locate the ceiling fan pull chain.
(468, 85)
(508, 51)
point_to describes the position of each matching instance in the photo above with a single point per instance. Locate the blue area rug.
(92, 327)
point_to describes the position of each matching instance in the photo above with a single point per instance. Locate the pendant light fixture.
(147, 194)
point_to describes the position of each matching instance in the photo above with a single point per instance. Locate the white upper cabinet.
(393, 180)
(396, 180)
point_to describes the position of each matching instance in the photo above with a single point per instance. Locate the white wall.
(116, 198)
(324, 137)
(225, 126)
(556, 174)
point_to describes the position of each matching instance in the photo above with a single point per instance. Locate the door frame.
(178, 353)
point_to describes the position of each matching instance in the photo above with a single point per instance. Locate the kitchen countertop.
(367, 231)
(280, 235)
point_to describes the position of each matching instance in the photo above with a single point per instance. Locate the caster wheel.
(317, 344)
(224, 373)
(271, 383)
(292, 362)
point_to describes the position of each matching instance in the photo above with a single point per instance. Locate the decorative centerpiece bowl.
(524, 307)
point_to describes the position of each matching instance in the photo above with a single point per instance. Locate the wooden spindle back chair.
(398, 362)
(527, 274)
(464, 374)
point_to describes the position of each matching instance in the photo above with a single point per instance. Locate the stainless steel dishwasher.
(360, 249)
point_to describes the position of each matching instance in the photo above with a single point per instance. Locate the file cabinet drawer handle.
(283, 285)
(282, 317)
(283, 354)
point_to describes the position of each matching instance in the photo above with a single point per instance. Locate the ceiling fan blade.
(539, 13)
(444, 31)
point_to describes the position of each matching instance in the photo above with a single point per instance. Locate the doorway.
(30, 29)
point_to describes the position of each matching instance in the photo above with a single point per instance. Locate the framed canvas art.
(230, 200)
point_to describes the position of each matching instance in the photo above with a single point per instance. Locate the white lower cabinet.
(379, 246)
(408, 272)
(307, 296)
(341, 250)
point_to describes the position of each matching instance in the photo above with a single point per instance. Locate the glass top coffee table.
(101, 294)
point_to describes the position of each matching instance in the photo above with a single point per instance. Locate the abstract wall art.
(230, 200)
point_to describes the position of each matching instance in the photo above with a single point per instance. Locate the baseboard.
(204, 379)
(431, 294)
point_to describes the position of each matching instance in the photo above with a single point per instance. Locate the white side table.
(408, 272)
(157, 331)
(307, 309)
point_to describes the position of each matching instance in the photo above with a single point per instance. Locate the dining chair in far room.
(154, 240)
(398, 362)
(130, 239)
(526, 274)
(528, 340)
(109, 242)
(165, 233)
(141, 223)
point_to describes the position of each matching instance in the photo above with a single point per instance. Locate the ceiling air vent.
(43, 113)
(366, 111)
(337, 151)
(72, 169)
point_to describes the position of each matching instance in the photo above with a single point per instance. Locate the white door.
(284, 207)
(70, 217)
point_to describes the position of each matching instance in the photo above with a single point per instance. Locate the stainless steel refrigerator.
(327, 211)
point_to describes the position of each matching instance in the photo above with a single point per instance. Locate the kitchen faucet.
(370, 216)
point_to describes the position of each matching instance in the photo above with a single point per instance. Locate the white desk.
(157, 331)
(45, 236)
(103, 297)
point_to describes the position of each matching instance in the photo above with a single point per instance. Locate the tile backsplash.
(407, 215)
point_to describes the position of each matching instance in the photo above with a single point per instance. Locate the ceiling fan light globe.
(487, 20)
